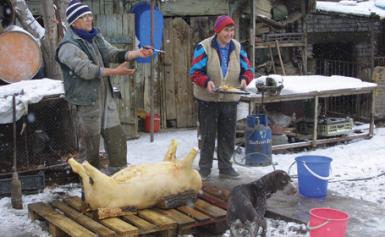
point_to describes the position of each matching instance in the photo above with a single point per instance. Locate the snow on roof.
(28, 92)
(363, 8)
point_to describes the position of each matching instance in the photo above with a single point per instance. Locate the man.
(84, 56)
(218, 60)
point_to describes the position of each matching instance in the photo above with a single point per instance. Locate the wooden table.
(290, 94)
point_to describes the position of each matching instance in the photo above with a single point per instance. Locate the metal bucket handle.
(288, 171)
(312, 172)
(315, 174)
(308, 227)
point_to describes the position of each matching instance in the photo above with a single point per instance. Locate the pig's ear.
(93, 173)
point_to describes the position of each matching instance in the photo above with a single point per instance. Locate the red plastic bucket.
(327, 222)
(147, 123)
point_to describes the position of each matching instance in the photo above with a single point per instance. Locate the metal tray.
(238, 91)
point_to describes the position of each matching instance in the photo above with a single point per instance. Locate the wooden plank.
(128, 111)
(202, 27)
(189, 211)
(215, 191)
(60, 221)
(162, 89)
(163, 222)
(169, 79)
(103, 213)
(108, 7)
(119, 226)
(280, 57)
(182, 54)
(83, 220)
(74, 202)
(209, 209)
(178, 217)
(144, 226)
(117, 7)
(265, 45)
(95, 6)
(140, 77)
(213, 200)
(194, 8)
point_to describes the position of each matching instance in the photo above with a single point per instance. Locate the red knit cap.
(222, 22)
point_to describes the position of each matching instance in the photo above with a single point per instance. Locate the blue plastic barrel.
(142, 12)
(313, 175)
(258, 141)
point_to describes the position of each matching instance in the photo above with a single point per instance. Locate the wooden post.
(62, 7)
(315, 122)
(371, 49)
(252, 37)
(152, 75)
(50, 40)
(272, 59)
(280, 57)
(304, 28)
(59, 18)
(372, 112)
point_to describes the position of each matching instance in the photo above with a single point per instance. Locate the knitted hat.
(222, 22)
(75, 10)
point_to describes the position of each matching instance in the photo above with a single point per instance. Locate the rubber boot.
(89, 150)
(116, 146)
(88, 119)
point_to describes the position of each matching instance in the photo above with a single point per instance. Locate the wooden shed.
(186, 23)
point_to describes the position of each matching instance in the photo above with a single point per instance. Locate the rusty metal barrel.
(20, 54)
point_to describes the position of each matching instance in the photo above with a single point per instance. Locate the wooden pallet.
(64, 218)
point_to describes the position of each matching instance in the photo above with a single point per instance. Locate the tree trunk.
(50, 41)
(59, 18)
(26, 19)
(61, 8)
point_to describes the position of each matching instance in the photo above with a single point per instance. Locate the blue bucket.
(313, 175)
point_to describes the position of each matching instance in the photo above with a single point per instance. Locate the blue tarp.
(143, 27)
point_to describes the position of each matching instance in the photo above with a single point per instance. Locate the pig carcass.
(139, 186)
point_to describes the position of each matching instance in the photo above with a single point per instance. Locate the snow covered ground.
(357, 159)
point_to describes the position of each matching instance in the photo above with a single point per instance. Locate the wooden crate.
(64, 218)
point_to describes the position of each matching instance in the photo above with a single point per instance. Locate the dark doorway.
(334, 58)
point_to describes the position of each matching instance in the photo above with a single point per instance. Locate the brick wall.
(332, 23)
(343, 29)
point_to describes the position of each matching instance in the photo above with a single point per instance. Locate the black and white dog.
(246, 206)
